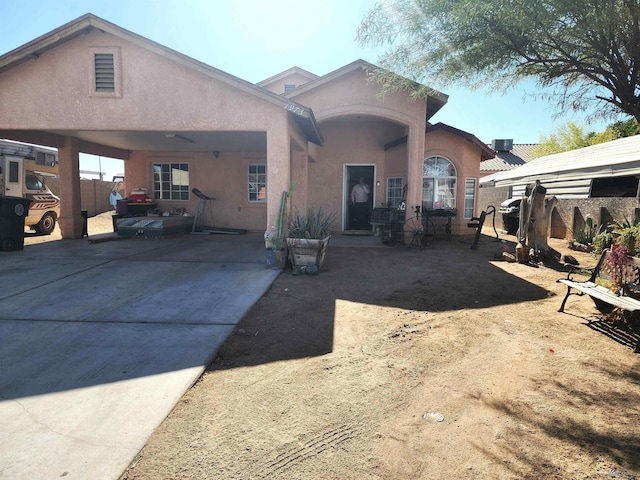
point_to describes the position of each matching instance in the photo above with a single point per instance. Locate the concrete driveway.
(99, 341)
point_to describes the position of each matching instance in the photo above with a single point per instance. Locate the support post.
(70, 221)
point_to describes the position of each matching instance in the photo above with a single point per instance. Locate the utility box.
(13, 211)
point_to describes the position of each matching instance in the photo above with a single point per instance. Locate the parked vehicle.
(18, 179)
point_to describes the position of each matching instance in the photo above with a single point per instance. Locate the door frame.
(346, 192)
(12, 189)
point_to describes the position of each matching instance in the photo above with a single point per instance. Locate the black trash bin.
(13, 211)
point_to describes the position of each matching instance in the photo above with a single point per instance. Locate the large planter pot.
(276, 259)
(307, 251)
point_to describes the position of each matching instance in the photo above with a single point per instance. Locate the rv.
(23, 169)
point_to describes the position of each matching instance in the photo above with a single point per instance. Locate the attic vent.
(288, 87)
(105, 73)
(502, 145)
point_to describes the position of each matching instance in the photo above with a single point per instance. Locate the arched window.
(438, 183)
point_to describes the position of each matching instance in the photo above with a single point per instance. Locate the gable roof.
(84, 24)
(485, 152)
(287, 73)
(435, 100)
(520, 154)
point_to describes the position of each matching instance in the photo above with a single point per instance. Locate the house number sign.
(290, 107)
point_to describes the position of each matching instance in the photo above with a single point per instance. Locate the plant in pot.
(309, 235)
(274, 239)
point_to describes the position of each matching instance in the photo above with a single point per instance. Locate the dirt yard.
(394, 363)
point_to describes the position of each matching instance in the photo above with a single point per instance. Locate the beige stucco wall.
(56, 91)
(159, 93)
(356, 123)
(223, 178)
(352, 94)
(350, 143)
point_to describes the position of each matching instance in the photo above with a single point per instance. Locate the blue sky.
(255, 39)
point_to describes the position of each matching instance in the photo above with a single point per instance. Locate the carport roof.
(303, 115)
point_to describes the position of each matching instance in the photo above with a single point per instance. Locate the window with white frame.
(258, 183)
(469, 197)
(439, 179)
(394, 192)
(171, 181)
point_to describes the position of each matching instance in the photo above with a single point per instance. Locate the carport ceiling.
(174, 141)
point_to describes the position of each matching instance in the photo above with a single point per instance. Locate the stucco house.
(91, 86)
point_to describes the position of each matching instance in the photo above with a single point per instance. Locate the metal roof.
(25, 150)
(520, 154)
(616, 158)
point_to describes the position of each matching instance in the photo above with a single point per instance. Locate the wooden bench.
(627, 297)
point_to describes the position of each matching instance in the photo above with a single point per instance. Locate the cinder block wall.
(570, 213)
(94, 194)
(490, 195)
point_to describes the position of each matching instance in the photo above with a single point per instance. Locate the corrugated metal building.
(608, 169)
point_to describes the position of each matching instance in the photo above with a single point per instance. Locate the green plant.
(601, 242)
(586, 234)
(627, 232)
(314, 224)
(624, 224)
(277, 238)
(627, 239)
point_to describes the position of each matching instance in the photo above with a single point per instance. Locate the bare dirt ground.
(395, 363)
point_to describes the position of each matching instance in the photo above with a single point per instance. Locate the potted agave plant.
(309, 235)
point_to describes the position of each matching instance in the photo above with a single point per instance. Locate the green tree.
(627, 128)
(572, 136)
(585, 54)
(569, 136)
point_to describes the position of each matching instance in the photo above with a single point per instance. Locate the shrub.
(586, 234)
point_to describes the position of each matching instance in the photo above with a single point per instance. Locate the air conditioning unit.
(502, 145)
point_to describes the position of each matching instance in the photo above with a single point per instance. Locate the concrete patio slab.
(146, 292)
(99, 341)
(79, 400)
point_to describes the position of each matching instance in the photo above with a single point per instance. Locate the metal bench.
(627, 289)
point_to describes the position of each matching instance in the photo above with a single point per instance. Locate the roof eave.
(38, 46)
(485, 152)
(87, 22)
